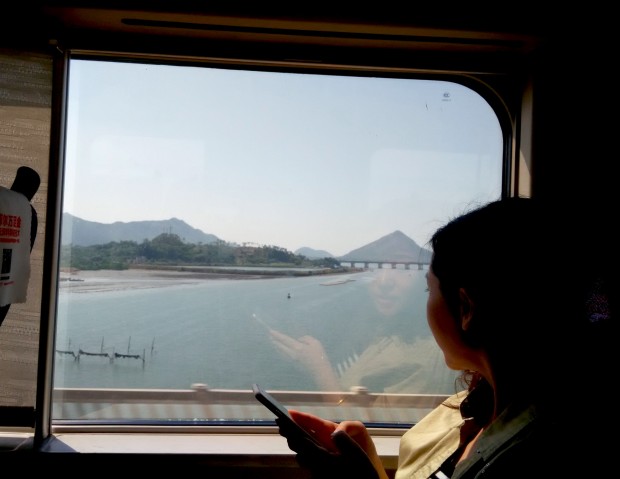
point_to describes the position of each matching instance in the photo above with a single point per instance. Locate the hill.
(313, 253)
(394, 247)
(81, 232)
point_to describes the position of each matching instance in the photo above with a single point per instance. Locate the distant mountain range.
(394, 247)
(81, 232)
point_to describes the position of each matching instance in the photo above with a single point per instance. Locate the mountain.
(394, 247)
(81, 232)
(313, 253)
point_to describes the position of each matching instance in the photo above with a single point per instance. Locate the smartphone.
(281, 412)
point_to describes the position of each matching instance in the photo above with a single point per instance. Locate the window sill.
(156, 443)
(238, 449)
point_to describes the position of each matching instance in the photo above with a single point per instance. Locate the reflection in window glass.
(225, 227)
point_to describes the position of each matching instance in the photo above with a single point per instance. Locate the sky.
(280, 159)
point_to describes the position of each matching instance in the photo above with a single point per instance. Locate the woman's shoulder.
(432, 440)
(444, 417)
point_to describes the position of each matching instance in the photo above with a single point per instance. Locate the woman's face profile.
(446, 328)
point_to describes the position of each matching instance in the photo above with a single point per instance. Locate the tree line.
(169, 249)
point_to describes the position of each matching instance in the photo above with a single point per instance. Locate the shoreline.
(116, 280)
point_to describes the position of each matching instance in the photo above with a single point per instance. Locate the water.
(217, 331)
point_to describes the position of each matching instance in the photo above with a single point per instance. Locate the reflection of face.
(390, 289)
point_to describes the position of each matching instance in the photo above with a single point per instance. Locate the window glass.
(224, 227)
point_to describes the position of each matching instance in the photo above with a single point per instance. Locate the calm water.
(215, 332)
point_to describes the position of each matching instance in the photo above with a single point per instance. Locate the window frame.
(504, 92)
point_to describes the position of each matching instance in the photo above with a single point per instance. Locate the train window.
(228, 226)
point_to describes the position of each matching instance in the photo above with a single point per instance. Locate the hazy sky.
(290, 160)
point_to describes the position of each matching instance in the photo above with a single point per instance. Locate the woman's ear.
(467, 309)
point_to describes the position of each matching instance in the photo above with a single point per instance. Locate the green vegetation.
(168, 249)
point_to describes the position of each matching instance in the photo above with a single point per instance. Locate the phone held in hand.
(282, 413)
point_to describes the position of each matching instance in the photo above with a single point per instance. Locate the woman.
(507, 307)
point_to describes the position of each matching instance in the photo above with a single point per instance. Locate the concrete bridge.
(381, 264)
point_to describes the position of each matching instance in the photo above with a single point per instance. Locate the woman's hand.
(348, 449)
(355, 431)
(320, 428)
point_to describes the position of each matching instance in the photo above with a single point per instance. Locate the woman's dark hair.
(517, 266)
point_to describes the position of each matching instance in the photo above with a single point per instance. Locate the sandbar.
(130, 279)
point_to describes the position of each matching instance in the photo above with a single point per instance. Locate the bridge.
(381, 264)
